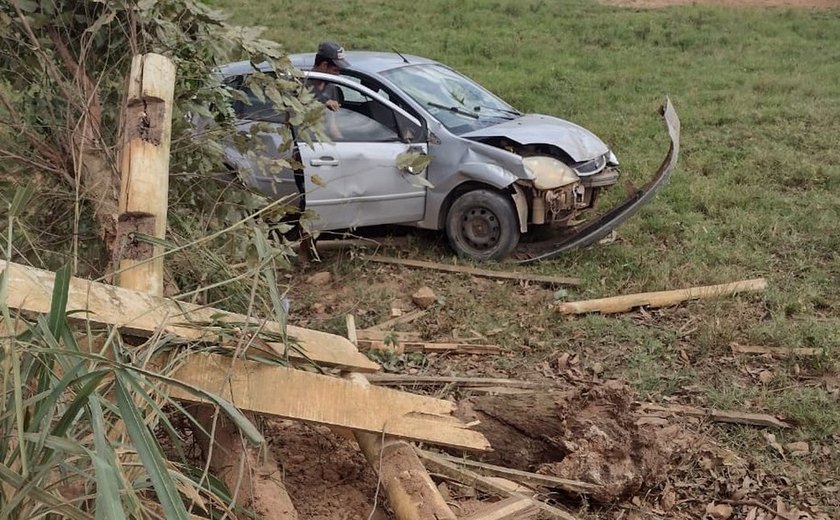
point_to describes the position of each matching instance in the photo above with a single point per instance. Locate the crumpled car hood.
(578, 142)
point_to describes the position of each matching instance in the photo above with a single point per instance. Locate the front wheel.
(483, 225)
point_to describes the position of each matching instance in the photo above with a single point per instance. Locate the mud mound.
(581, 433)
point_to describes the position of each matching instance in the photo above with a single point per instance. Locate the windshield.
(459, 103)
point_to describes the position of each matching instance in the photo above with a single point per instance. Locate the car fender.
(487, 173)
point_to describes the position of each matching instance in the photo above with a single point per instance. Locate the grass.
(757, 191)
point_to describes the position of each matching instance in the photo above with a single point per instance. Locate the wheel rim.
(480, 228)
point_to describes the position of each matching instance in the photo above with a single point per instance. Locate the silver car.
(494, 173)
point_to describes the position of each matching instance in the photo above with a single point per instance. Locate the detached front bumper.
(601, 227)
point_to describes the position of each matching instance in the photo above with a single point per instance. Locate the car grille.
(592, 166)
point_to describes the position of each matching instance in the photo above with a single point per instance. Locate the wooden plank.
(776, 352)
(429, 348)
(143, 314)
(484, 273)
(405, 379)
(513, 508)
(524, 477)
(296, 394)
(437, 464)
(352, 333)
(144, 171)
(754, 419)
(405, 318)
(658, 299)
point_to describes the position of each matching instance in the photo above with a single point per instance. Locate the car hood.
(578, 142)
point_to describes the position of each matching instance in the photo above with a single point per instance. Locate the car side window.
(362, 119)
(254, 109)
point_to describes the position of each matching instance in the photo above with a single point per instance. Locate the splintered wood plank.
(296, 394)
(406, 379)
(504, 275)
(753, 419)
(513, 508)
(142, 314)
(627, 302)
(429, 348)
(524, 477)
(381, 335)
(437, 464)
(405, 318)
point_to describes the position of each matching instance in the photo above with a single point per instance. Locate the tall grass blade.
(21, 198)
(60, 506)
(149, 452)
(108, 504)
(58, 307)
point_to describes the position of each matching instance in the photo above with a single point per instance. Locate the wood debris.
(437, 464)
(405, 318)
(513, 508)
(754, 419)
(484, 273)
(473, 382)
(524, 477)
(142, 314)
(300, 395)
(627, 302)
(776, 352)
(428, 347)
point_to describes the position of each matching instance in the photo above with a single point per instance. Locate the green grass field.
(756, 193)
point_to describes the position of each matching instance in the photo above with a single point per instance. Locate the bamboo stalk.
(627, 302)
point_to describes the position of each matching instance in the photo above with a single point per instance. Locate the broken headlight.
(549, 173)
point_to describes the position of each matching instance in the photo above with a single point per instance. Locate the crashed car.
(493, 174)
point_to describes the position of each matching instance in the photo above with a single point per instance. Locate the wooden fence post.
(144, 171)
(252, 477)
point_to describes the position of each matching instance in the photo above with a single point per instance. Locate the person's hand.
(333, 105)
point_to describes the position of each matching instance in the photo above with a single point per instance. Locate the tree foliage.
(63, 65)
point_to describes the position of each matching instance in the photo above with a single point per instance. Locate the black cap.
(333, 52)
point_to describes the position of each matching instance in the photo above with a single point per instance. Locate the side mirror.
(414, 161)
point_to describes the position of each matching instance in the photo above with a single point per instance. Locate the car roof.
(369, 62)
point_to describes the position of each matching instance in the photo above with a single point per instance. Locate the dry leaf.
(798, 448)
(771, 440)
(669, 499)
(752, 514)
(765, 376)
(719, 511)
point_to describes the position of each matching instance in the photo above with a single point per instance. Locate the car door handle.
(324, 161)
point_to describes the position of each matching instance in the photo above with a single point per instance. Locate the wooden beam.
(776, 352)
(503, 275)
(144, 171)
(143, 314)
(429, 348)
(524, 477)
(513, 508)
(658, 299)
(410, 490)
(437, 464)
(296, 394)
(405, 318)
(754, 419)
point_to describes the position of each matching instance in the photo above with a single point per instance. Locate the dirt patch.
(326, 475)
(582, 433)
(814, 4)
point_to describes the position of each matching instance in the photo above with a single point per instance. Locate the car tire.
(483, 225)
